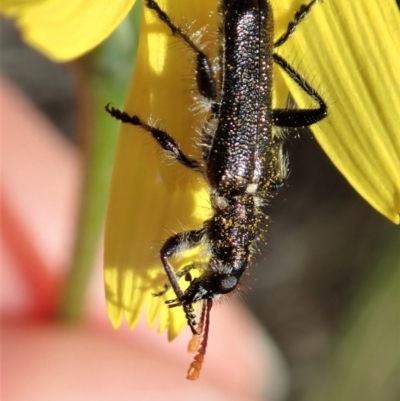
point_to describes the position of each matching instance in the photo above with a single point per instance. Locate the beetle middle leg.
(166, 142)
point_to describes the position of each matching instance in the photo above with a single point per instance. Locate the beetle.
(242, 161)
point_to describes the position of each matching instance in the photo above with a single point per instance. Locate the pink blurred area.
(41, 178)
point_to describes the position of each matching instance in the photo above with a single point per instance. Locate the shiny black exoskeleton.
(243, 161)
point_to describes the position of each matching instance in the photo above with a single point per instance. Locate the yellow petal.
(64, 30)
(151, 198)
(351, 50)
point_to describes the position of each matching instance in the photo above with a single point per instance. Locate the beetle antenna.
(202, 329)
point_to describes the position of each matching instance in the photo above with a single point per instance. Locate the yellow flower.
(350, 46)
(64, 30)
(151, 198)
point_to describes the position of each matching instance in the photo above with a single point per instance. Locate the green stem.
(108, 76)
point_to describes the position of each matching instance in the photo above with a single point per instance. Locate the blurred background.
(327, 286)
